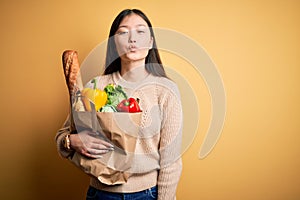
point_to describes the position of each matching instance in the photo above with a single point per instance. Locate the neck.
(133, 71)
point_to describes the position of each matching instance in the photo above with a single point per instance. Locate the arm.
(60, 135)
(170, 146)
(84, 143)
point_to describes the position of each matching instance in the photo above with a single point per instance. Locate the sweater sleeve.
(61, 133)
(170, 145)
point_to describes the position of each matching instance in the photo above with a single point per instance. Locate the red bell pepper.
(129, 105)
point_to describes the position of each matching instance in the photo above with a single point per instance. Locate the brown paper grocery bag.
(121, 129)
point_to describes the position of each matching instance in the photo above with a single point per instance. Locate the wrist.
(71, 138)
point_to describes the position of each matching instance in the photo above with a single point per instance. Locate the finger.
(102, 142)
(88, 152)
(100, 147)
(92, 156)
(97, 151)
(107, 144)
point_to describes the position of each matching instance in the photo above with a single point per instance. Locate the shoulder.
(167, 87)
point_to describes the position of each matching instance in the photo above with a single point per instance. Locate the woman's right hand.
(87, 144)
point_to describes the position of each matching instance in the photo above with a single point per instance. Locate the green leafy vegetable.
(115, 94)
(108, 108)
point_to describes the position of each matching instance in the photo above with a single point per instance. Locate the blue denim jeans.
(94, 194)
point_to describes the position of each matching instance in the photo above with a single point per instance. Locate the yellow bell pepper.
(98, 97)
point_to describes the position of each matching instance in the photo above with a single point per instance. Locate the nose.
(132, 37)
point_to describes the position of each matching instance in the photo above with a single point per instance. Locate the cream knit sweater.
(157, 159)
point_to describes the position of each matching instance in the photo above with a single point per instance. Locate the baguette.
(72, 71)
(72, 74)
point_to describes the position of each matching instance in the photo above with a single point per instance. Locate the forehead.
(133, 20)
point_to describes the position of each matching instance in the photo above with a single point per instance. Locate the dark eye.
(140, 31)
(122, 32)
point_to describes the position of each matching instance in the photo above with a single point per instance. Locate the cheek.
(120, 45)
(144, 41)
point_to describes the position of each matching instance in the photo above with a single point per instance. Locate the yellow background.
(255, 45)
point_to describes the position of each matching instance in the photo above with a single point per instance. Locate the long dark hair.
(153, 62)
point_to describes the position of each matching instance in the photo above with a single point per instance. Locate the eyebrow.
(125, 26)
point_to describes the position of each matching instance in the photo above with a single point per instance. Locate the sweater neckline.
(119, 80)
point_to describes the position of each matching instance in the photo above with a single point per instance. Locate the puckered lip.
(132, 48)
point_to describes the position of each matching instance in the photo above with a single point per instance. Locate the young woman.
(133, 61)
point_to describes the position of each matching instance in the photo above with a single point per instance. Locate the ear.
(151, 43)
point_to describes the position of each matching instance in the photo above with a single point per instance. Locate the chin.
(134, 57)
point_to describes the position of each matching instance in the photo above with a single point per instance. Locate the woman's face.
(133, 39)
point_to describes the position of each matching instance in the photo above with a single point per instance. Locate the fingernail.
(111, 148)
